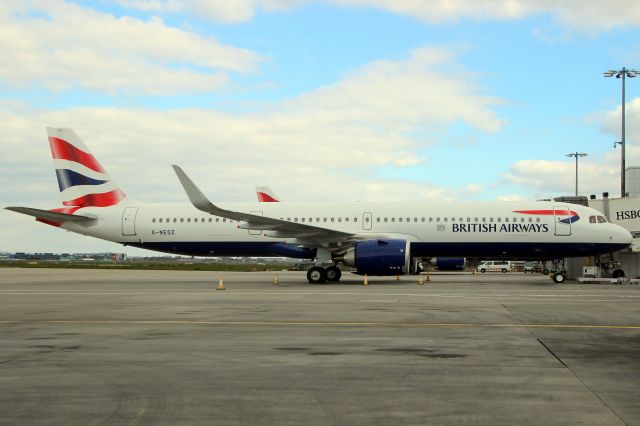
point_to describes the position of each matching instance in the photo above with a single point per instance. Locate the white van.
(494, 266)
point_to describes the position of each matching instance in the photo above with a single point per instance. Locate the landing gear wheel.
(316, 275)
(558, 277)
(333, 273)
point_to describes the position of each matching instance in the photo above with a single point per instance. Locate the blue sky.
(335, 100)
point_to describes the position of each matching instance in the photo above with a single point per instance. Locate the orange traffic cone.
(220, 285)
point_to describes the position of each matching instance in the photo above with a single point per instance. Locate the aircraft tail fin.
(266, 195)
(83, 182)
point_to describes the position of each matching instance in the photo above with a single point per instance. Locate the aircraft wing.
(280, 228)
(51, 216)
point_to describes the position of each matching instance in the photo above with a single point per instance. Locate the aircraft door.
(129, 221)
(563, 218)
(255, 231)
(366, 221)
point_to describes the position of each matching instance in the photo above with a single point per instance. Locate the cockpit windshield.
(597, 219)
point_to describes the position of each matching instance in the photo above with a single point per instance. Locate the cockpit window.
(602, 219)
(592, 219)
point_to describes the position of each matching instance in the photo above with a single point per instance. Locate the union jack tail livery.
(82, 180)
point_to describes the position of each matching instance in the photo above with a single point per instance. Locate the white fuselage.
(473, 229)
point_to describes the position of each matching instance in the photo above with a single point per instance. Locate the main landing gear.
(320, 275)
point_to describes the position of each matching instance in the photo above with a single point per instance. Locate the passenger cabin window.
(153, 220)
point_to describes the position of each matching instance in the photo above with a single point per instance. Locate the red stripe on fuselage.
(266, 198)
(548, 212)
(63, 150)
(105, 199)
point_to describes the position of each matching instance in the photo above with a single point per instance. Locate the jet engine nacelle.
(449, 263)
(379, 257)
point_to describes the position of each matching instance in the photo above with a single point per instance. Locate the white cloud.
(558, 177)
(597, 173)
(575, 14)
(323, 145)
(61, 46)
(579, 14)
(612, 121)
(335, 136)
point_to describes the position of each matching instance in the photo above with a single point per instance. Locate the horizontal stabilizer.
(51, 216)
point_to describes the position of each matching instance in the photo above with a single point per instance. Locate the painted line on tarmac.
(563, 298)
(324, 323)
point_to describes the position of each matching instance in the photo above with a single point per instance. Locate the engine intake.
(378, 257)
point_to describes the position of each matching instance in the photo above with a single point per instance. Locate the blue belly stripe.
(524, 251)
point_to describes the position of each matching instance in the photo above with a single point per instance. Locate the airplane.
(266, 195)
(375, 238)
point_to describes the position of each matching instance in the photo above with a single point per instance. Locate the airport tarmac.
(162, 347)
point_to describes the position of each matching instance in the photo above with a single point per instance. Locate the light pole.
(577, 155)
(622, 73)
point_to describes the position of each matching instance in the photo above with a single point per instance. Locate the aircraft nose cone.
(622, 236)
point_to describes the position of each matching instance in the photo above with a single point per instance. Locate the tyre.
(559, 277)
(504, 270)
(333, 273)
(545, 272)
(618, 273)
(316, 275)
(483, 270)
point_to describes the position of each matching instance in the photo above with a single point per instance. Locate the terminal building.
(621, 211)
